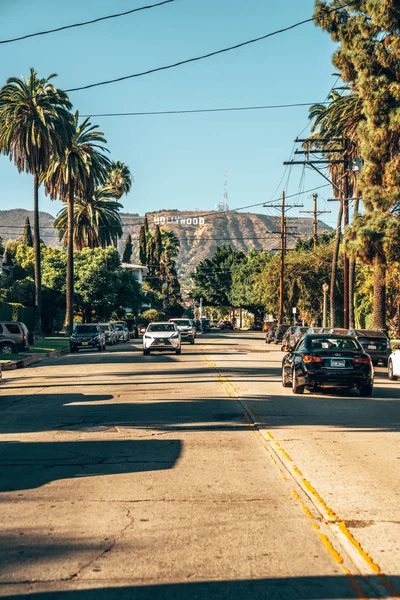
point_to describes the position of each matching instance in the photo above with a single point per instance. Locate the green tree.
(213, 277)
(119, 179)
(27, 237)
(127, 254)
(97, 220)
(35, 126)
(244, 278)
(142, 246)
(76, 173)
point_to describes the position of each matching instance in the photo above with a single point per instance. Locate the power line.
(203, 110)
(122, 14)
(204, 56)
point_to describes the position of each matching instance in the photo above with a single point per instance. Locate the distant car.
(132, 328)
(291, 340)
(13, 337)
(286, 338)
(375, 343)
(162, 336)
(122, 331)
(187, 329)
(110, 333)
(270, 334)
(328, 360)
(280, 332)
(87, 336)
(205, 324)
(256, 326)
(225, 324)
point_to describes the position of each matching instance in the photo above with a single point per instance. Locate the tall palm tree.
(120, 179)
(97, 222)
(339, 119)
(35, 126)
(75, 174)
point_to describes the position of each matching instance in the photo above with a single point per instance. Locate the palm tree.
(120, 179)
(340, 119)
(97, 222)
(35, 126)
(75, 174)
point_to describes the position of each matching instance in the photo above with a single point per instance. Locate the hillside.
(199, 233)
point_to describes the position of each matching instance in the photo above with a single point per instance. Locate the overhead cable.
(204, 56)
(122, 14)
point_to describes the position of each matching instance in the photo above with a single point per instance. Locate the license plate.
(162, 344)
(371, 347)
(85, 343)
(338, 363)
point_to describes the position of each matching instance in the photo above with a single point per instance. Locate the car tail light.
(362, 360)
(309, 358)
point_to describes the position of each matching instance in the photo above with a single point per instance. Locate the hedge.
(13, 311)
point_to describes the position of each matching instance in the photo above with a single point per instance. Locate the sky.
(179, 161)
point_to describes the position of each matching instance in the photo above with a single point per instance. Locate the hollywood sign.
(179, 221)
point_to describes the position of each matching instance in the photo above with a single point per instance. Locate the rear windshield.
(162, 327)
(370, 334)
(332, 343)
(182, 322)
(105, 327)
(86, 329)
(119, 326)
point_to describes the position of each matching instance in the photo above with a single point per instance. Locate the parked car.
(296, 333)
(256, 326)
(286, 338)
(122, 331)
(132, 328)
(225, 324)
(162, 336)
(87, 336)
(394, 364)
(187, 329)
(328, 360)
(110, 333)
(13, 337)
(375, 343)
(280, 332)
(270, 334)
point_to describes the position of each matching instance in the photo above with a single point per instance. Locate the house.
(139, 271)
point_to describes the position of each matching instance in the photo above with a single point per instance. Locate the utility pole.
(316, 214)
(283, 247)
(346, 223)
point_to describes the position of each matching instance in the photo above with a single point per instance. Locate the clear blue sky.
(179, 161)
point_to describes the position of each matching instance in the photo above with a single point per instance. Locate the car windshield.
(367, 333)
(182, 322)
(119, 326)
(333, 343)
(86, 329)
(162, 327)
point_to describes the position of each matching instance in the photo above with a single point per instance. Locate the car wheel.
(192, 342)
(8, 348)
(366, 390)
(146, 352)
(296, 389)
(285, 382)
(392, 377)
(178, 351)
(72, 350)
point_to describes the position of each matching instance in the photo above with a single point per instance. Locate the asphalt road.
(195, 477)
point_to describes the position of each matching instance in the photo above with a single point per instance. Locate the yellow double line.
(311, 501)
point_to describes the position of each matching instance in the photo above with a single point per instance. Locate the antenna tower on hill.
(223, 205)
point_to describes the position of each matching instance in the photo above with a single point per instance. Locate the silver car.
(162, 336)
(187, 329)
(122, 331)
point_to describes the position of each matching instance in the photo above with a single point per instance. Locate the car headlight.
(147, 336)
(73, 338)
(175, 335)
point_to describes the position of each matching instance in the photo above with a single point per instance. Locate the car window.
(104, 328)
(13, 327)
(182, 322)
(1, 328)
(86, 329)
(301, 344)
(332, 343)
(119, 326)
(162, 327)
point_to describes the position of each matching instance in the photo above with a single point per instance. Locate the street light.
(325, 289)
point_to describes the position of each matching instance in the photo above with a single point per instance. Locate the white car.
(187, 329)
(162, 336)
(394, 364)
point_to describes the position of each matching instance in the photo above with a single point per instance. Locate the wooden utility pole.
(316, 213)
(346, 223)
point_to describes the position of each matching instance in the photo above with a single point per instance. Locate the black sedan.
(325, 360)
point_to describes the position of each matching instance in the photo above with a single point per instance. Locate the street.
(195, 476)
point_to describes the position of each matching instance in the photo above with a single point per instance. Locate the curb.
(25, 362)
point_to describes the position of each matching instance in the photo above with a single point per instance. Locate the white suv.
(162, 336)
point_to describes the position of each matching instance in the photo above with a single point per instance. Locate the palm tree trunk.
(352, 277)
(335, 258)
(36, 246)
(379, 320)
(69, 316)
